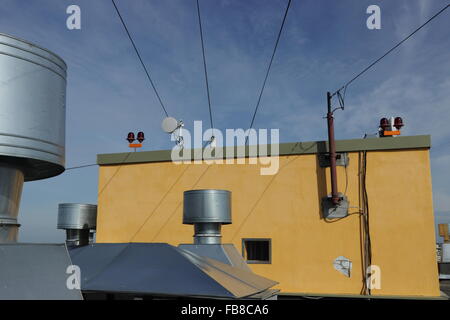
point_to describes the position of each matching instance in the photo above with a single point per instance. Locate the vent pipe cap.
(77, 216)
(206, 206)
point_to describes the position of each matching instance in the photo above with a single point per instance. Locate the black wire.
(83, 166)
(204, 64)
(140, 59)
(390, 50)
(268, 68)
(368, 244)
(346, 178)
(341, 98)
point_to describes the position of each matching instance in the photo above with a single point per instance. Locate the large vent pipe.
(11, 183)
(207, 210)
(32, 123)
(79, 220)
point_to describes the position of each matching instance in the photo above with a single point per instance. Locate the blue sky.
(323, 45)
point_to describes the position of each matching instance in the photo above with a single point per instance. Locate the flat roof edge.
(285, 149)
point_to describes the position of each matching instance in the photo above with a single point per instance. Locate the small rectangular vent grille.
(257, 250)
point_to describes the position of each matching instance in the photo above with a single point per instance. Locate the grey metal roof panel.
(35, 272)
(160, 269)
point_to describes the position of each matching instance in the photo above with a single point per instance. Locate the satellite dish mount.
(174, 127)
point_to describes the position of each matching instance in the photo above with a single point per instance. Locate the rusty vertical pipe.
(332, 152)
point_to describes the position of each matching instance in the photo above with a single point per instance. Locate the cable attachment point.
(177, 135)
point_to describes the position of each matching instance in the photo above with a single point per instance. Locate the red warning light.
(140, 137)
(398, 123)
(130, 137)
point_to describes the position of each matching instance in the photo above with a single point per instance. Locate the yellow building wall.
(144, 203)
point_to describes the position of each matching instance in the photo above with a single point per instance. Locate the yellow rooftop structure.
(278, 221)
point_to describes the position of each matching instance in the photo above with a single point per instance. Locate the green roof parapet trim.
(285, 149)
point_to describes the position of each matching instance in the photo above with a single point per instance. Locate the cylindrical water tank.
(207, 210)
(32, 112)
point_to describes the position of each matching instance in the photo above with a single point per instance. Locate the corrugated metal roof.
(35, 272)
(161, 269)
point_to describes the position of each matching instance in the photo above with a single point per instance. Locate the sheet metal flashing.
(285, 149)
(225, 253)
(162, 270)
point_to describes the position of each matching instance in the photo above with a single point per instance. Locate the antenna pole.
(332, 152)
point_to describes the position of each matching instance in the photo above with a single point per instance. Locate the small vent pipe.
(207, 210)
(79, 220)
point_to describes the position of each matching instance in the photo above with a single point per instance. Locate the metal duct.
(11, 184)
(207, 210)
(32, 123)
(79, 220)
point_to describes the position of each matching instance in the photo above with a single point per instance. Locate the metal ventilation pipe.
(32, 123)
(207, 210)
(11, 184)
(79, 220)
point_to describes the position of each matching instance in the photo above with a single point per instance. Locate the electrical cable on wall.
(367, 246)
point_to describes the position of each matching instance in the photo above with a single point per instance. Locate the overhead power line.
(204, 64)
(83, 166)
(390, 50)
(270, 65)
(140, 59)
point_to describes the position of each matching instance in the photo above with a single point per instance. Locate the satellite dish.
(170, 124)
